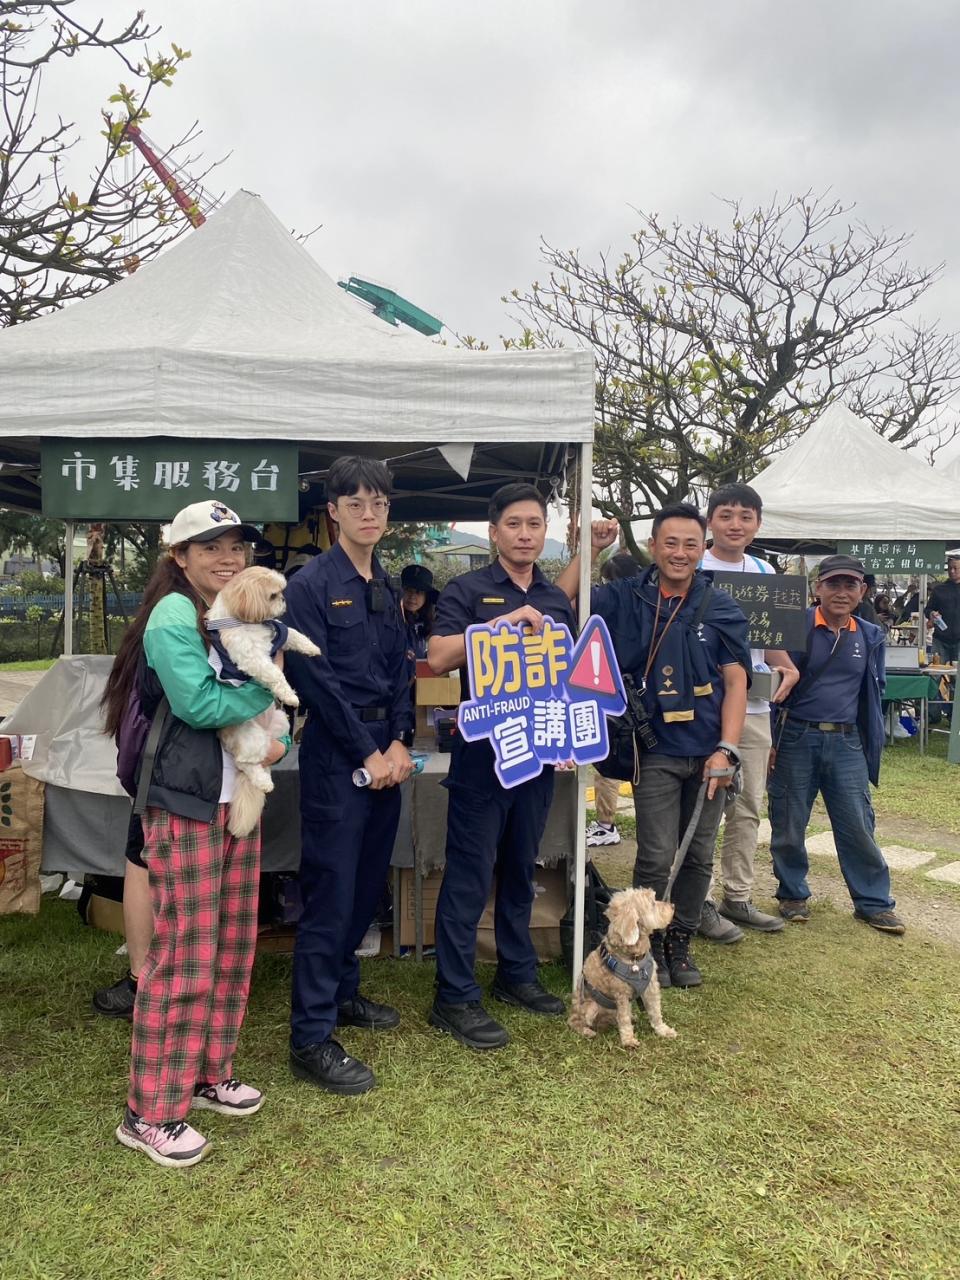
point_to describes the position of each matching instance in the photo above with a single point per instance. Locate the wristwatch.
(406, 738)
(730, 751)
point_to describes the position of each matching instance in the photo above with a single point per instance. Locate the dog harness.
(636, 975)
(228, 670)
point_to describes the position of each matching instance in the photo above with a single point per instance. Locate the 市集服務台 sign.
(153, 479)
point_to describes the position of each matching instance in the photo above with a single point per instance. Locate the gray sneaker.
(714, 927)
(746, 913)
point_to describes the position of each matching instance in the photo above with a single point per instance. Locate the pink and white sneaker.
(229, 1097)
(174, 1145)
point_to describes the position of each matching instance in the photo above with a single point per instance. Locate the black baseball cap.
(417, 577)
(837, 566)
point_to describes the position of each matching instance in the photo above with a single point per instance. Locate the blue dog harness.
(636, 975)
(228, 670)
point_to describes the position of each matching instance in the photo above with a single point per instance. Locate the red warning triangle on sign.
(595, 666)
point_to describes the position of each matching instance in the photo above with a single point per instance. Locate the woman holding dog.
(192, 991)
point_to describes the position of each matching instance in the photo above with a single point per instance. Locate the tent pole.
(68, 589)
(580, 842)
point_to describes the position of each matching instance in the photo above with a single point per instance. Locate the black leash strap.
(150, 755)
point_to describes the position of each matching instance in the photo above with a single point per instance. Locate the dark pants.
(833, 764)
(665, 798)
(347, 836)
(489, 829)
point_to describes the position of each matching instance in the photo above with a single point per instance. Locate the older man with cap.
(827, 738)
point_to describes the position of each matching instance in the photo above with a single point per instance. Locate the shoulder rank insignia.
(339, 604)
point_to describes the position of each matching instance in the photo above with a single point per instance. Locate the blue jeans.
(833, 764)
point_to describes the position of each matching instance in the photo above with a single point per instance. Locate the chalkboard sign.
(775, 605)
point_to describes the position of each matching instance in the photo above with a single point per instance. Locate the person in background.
(908, 602)
(943, 607)
(828, 740)
(866, 609)
(359, 714)
(418, 600)
(607, 790)
(883, 607)
(118, 1000)
(734, 514)
(204, 883)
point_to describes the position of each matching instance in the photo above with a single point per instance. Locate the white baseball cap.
(202, 521)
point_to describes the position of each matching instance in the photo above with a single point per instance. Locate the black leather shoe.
(361, 1012)
(528, 995)
(330, 1067)
(117, 1001)
(469, 1023)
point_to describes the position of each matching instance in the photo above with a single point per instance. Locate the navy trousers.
(489, 829)
(347, 836)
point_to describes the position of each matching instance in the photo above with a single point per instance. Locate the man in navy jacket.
(828, 737)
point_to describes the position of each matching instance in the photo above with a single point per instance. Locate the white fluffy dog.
(241, 617)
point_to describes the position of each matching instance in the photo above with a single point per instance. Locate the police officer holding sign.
(490, 827)
(358, 715)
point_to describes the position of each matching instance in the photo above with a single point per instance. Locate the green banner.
(152, 479)
(903, 556)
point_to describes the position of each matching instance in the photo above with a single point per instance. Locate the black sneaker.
(330, 1067)
(658, 951)
(116, 1001)
(528, 995)
(683, 970)
(469, 1023)
(361, 1012)
(885, 921)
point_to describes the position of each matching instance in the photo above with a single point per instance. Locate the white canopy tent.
(236, 333)
(841, 480)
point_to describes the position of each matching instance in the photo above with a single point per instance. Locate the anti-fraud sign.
(539, 697)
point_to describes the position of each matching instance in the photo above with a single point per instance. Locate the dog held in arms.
(622, 969)
(245, 632)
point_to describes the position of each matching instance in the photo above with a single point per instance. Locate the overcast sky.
(438, 141)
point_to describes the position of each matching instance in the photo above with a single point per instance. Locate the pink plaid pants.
(192, 992)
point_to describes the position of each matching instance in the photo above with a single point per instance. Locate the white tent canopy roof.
(236, 331)
(841, 480)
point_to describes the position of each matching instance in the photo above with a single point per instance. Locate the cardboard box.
(104, 913)
(438, 691)
(549, 906)
(404, 917)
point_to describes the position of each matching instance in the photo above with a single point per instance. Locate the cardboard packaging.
(21, 841)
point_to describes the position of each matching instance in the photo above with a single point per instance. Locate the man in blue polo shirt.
(489, 826)
(828, 738)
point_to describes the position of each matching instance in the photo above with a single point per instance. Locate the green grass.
(802, 1125)
(39, 664)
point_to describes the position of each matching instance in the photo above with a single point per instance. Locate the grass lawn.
(804, 1124)
(38, 664)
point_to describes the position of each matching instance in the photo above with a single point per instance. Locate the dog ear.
(664, 913)
(630, 928)
(246, 595)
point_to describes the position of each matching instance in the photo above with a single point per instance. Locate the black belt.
(367, 715)
(825, 726)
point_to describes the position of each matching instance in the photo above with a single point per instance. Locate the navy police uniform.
(489, 827)
(357, 701)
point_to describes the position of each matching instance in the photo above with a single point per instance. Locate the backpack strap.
(150, 755)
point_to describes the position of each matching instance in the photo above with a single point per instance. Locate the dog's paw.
(630, 1044)
(666, 1032)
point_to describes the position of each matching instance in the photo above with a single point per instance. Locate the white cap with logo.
(203, 521)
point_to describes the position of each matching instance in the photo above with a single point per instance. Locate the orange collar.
(820, 621)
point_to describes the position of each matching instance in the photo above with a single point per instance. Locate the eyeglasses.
(356, 506)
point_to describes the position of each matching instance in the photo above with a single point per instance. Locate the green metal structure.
(391, 307)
